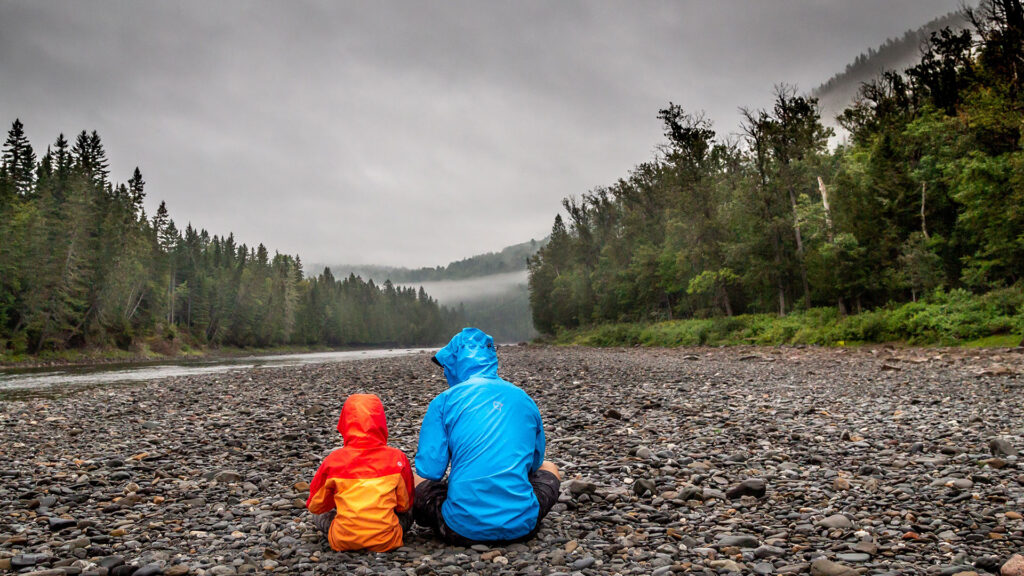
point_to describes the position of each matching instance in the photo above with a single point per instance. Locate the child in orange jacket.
(362, 494)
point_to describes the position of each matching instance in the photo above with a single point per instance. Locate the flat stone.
(19, 561)
(835, 521)
(755, 487)
(1001, 447)
(149, 570)
(585, 562)
(227, 476)
(1013, 567)
(826, 567)
(740, 541)
(58, 524)
(577, 487)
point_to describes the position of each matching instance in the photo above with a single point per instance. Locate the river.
(21, 383)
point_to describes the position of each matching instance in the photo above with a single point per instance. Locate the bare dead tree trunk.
(924, 224)
(170, 291)
(778, 274)
(840, 303)
(800, 250)
(828, 209)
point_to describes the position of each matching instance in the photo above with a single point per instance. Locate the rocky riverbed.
(711, 461)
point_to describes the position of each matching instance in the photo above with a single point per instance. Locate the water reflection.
(35, 382)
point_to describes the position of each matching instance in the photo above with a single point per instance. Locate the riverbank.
(881, 460)
(145, 354)
(954, 318)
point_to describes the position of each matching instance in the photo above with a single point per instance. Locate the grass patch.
(954, 318)
(999, 341)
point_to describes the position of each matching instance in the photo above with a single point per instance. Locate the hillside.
(509, 259)
(895, 54)
(490, 290)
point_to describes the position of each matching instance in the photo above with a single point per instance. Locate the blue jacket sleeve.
(432, 453)
(539, 444)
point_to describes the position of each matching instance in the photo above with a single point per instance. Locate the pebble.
(149, 570)
(836, 521)
(726, 565)
(740, 541)
(1013, 567)
(1001, 447)
(215, 484)
(826, 567)
(59, 524)
(585, 562)
(755, 487)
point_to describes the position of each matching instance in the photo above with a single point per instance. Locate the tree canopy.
(82, 265)
(926, 194)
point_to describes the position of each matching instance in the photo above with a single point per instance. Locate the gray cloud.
(405, 133)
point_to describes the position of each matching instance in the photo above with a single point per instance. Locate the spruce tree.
(19, 161)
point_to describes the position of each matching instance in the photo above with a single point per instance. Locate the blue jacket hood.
(470, 353)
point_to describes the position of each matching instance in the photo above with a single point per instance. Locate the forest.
(835, 94)
(924, 200)
(509, 259)
(83, 266)
(477, 286)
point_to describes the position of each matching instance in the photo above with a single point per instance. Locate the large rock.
(577, 487)
(750, 487)
(1013, 567)
(836, 521)
(826, 567)
(740, 540)
(1001, 447)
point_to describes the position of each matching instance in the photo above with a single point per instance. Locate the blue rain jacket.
(491, 433)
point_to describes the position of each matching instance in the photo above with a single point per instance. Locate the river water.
(21, 383)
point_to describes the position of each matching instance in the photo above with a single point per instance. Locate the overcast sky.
(404, 133)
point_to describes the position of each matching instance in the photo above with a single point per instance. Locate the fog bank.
(453, 292)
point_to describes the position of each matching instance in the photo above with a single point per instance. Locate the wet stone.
(751, 487)
(739, 541)
(219, 486)
(585, 562)
(59, 524)
(19, 561)
(826, 567)
(1001, 447)
(836, 521)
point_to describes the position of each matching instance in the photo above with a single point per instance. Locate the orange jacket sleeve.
(321, 492)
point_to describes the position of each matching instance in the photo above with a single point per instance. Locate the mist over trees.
(82, 265)
(489, 290)
(510, 259)
(926, 196)
(835, 94)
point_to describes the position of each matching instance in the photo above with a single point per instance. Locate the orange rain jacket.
(366, 480)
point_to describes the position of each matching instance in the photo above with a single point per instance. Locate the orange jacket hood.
(362, 423)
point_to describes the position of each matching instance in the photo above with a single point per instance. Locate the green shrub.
(955, 317)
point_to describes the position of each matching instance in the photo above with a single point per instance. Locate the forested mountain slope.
(83, 266)
(926, 198)
(840, 91)
(488, 290)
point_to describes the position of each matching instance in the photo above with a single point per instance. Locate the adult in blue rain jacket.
(489, 431)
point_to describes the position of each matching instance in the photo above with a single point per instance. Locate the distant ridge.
(839, 91)
(510, 259)
(489, 290)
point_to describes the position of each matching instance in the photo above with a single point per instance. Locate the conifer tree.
(19, 162)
